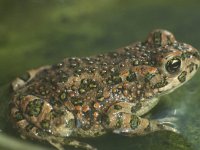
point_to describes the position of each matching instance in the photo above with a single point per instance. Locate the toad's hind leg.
(58, 142)
(126, 123)
(35, 118)
(61, 142)
(22, 80)
(28, 130)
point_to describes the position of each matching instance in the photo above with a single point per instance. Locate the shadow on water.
(34, 33)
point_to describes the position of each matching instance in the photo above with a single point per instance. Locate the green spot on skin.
(149, 76)
(29, 127)
(100, 98)
(191, 67)
(117, 79)
(182, 76)
(119, 121)
(34, 107)
(106, 120)
(52, 101)
(64, 77)
(81, 90)
(160, 84)
(77, 102)
(135, 108)
(118, 124)
(136, 63)
(131, 77)
(114, 79)
(134, 122)
(45, 124)
(92, 85)
(42, 133)
(196, 66)
(87, 84)
(63, 96)
(117, 107)
(57, 113)
(18, 116)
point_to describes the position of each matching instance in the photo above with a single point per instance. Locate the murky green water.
(39, 32)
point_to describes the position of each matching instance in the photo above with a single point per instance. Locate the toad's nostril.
(197, 55)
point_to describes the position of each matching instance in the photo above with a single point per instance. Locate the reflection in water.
(187, 114)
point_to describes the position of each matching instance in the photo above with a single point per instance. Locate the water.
(35, 33)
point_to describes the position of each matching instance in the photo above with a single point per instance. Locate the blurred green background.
(40, 32)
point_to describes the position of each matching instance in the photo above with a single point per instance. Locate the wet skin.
(87, 97)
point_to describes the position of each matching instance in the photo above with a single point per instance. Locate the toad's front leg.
(130, 124)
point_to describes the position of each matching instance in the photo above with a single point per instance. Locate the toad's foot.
(169, 123)
(164, 125)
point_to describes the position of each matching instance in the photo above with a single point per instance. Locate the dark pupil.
(173, 65)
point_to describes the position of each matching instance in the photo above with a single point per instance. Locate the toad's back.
(75, 96)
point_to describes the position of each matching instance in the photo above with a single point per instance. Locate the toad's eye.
(173, 65)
